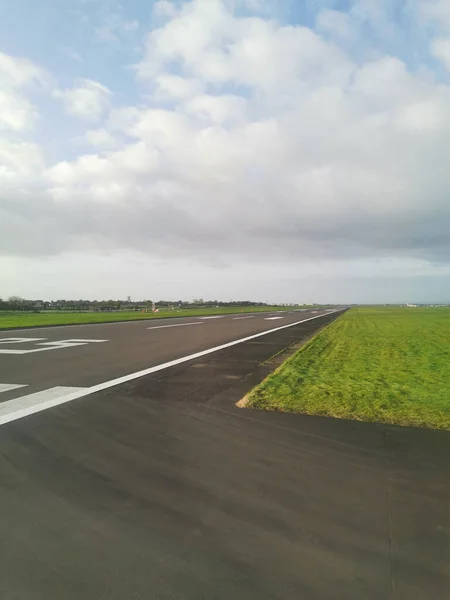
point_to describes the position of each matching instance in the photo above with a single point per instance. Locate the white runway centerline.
(34, 403)
(214, 317)
(177, 325)
(273, 318)
(240, 318)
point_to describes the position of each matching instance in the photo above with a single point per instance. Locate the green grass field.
(388, 365)
(10, 320)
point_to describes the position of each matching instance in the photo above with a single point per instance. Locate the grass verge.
(387, 365)
(11, 320)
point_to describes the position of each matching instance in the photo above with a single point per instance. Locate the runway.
(161, 488)
(45, 364)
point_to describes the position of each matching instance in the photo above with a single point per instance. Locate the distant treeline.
(17, 304)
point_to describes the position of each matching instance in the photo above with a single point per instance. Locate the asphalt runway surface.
(160, 487)
(57, 361)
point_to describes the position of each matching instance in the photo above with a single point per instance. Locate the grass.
(387, 365)
(11, 320)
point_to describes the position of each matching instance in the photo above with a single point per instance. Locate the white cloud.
(305, 181)
(220, 110)
(122, 119)
(164, 8)
(17, 72)
(437, 12)
(255, 4)
(80, 172)
(20, 161)
(258, 143)
(174, 87)
(440, 48)
(100, 137)
(428, 115)
(211, 45)
(335, 22)
(87, 100)
(16, 112)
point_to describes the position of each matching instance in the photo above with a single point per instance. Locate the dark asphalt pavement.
(50, 356)
(162, 489)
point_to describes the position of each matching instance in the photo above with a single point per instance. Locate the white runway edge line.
(21, 407)
(18, 411)
(177, 325)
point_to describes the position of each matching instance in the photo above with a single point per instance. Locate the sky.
(279, 151)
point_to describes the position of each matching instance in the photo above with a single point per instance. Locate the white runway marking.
(273, 318)
(18, 412)
(48, 345)
(33, 403)
(177, 325)
(20, 340)
(77, 341)
(214, 317)
(240, 318)
(108, 323)
(7, 387)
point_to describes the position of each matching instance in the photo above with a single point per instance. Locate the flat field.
(11, 320)
(388, 365)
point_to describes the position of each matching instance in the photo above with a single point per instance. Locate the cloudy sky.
(277, 150)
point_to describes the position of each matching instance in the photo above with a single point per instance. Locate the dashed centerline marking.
(214, 317)
(177, 325)
(273, 318)
(240, 318)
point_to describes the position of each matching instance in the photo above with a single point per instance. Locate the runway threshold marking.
(177, 325)
(13, 409)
